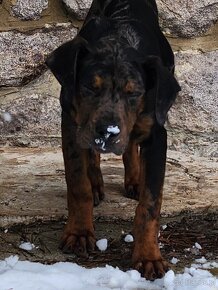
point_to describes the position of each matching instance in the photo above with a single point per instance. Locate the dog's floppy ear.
(163, 85)
(63, 61)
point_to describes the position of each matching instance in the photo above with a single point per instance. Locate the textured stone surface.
(34, 112)
(192, 122)
(78, 8)
(194, 115)
(22, 54)
(187, 18)
(28, 9)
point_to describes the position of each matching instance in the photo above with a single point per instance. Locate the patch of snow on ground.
(128, 239)
(174, 261)
(102, 245)
(24, 275)
(164, 227)
(201, 260)
(198, 246)
(27, 246)
(204, 264)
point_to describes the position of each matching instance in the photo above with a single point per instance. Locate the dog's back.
(133, 21)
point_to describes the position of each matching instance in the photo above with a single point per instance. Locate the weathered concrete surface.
(22, 56)
(28, 9)
(187, 18)
(78, 8)
(32, 186)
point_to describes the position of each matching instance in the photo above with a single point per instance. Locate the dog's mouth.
(109, 145)
(110, 140)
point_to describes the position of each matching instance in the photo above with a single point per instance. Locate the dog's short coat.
(117, 87)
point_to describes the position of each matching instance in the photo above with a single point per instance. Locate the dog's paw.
(132, 191)
(79, 243)
(151, 270)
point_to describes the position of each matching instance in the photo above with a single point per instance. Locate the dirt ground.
(33, 208)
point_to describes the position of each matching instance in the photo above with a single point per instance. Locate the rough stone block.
(22, 55)
(187, 18)
(28, 9)
(34, 111)
(78, 8)
(193, 118)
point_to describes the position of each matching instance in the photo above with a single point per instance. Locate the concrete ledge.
(33, 186)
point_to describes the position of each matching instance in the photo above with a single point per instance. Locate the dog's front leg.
(78, 236)
(146, 255)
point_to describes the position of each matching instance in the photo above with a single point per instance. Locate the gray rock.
(28, 9)
(22, 55)
(78, 8)
(193, 120)
(187, 18)
(34, 111)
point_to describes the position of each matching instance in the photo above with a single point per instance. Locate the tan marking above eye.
(98, 82)
(129, 87)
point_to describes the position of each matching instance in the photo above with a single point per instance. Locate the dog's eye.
(89, 90)
(93, 85)
(98, 81)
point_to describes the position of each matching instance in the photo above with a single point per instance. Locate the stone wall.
(29, 105)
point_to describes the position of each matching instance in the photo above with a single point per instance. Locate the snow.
(201, 260)
(101, 142)
(203, 263)
(25, 275)
(198, 246)
(27, 246)
(128, 239)
(102, 245)
(164, 227)
(113, 129)
(174, 261)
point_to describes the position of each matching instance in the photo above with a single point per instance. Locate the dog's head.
(107, 89)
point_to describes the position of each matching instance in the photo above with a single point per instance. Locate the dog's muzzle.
(107, 139)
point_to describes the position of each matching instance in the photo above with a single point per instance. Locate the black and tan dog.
(117, 86)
